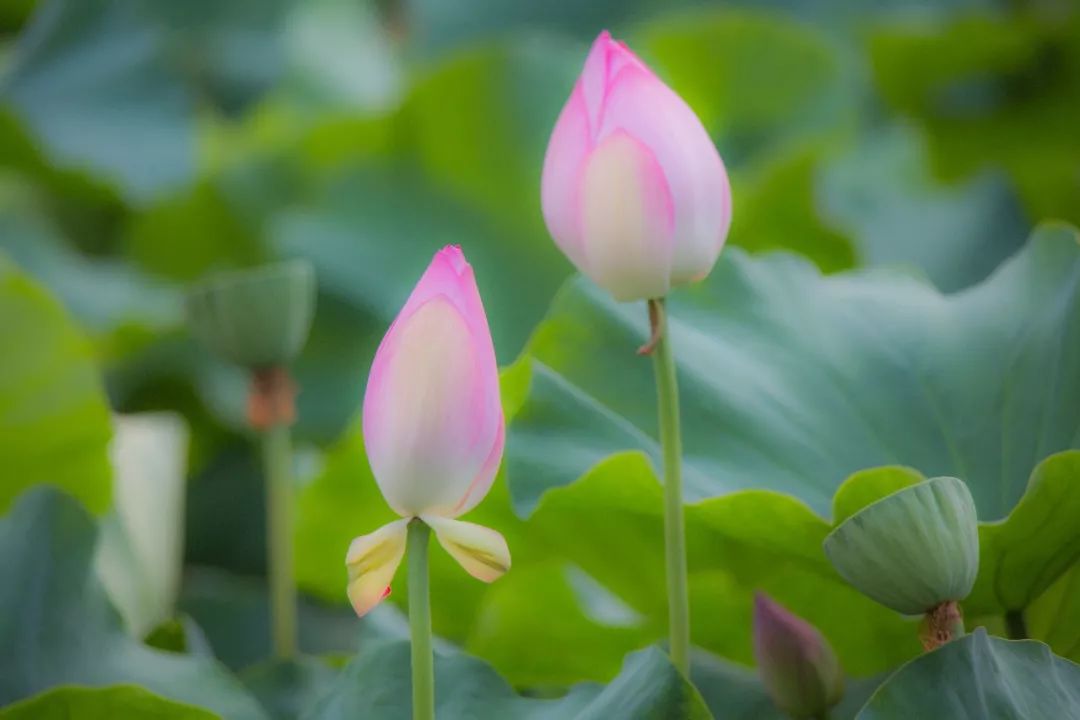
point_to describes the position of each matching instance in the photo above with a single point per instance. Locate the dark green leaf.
(93, 81)
(979, 676)
(234, 614)
(58, 628)
(376, 686)
(792, 381)
(884, 194)
(286, 688)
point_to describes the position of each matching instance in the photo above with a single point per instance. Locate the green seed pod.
(256, 318)
(911, 550)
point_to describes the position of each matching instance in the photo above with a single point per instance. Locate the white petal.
(481, 551)
(372, 561)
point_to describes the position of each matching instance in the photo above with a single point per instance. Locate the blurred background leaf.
(792, 380)
(103, 703)
(54, 420)
(145, 143)
(55, 610)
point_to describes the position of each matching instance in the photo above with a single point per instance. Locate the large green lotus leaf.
(1025, 553)
(373, 233)
(286, 688)
(457, 163)
(111, 87)
(87, 207)
(775, 208)
(233, 613)
(978, 676)
(376, 686)
(103, 294)
(993, 91)
(869, 486)
(756, 80)
(93, 81)
(440, 25)
(119, 701)
(54, 420)
(791, 381)
(610, 524)
(883, 193)
(58, 628)
(186, 235)
(1054, 617)
(590, 561)
(15, 13)
(577, 613)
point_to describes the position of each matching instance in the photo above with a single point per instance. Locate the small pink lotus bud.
(796, 664)
(633, 191)
(433, 430)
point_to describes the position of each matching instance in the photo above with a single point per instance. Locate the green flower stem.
(423, 670)
(1016, 625)
(277, 457)
(667, 392)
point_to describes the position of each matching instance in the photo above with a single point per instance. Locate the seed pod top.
(633, 190)
(911, 550)
(256, 318)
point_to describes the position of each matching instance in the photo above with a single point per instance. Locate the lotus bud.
(257, 318)
(913, 550)
(433, 428)
(633, 189)
(797, 665)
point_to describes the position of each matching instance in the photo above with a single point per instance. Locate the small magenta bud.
(796, 664)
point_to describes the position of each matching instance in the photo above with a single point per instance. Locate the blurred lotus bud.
(257, 318)
(796, 664)
(913, 550)
(433, 429)
(633, 190)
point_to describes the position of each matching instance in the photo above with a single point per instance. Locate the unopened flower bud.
(796, 664)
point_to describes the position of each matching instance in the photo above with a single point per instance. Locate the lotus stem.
(1016, 625)
(667, 392)
(423, 670)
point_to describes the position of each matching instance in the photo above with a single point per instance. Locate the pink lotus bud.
(796, 664)
(634, 191)
(433, 429)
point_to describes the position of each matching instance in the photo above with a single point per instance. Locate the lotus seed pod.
(911, 550)
(255, 318)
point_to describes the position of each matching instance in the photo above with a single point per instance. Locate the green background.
(899, 298)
